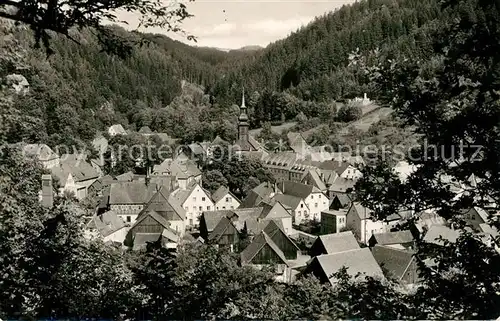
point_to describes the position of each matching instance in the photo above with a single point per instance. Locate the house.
(343, 169)
(297, 207)
(210, 219)
(360, 221)
(75, 175)
(185, 171)
(225, 234)
(340, 185)
(43, 153)
(151, 227)
(145, 130)
(194, 201)
(474, 217)
(397, 264)
(298, 144)
(403, 169)
(168, 208)
(315, 178)
(277, 234)
(262, 251)
(263, 192)
(224, 199)
(340, 201)
(109, 226)
(402, 240)
(127, 199)
(98, 186)
(279, 164)
(438, 232)
(116, 129)
(333, 221)
(356, 261)
(425, 221)
(334, 243)
(315, 200)
(278, 212)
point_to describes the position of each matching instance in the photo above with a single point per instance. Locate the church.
(246, 144)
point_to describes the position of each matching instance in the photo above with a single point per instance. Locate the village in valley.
(306, 221)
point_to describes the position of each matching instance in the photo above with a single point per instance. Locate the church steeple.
(243, 119)
(243, 99)
(243, 124)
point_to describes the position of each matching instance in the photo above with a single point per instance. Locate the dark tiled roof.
(77, 166)
(135, 192)
(164, 205)
(297, 189)
(258, 243)
(274, 211)
(107, 223)
(436, 231)
(145, 130)
(212, 218)
(288, 200)
(395, 261)
(220, 229)
(220, 193)
(343, 199)
(141, 239)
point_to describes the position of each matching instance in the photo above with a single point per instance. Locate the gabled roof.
(356, 261)
(260, 193)
(221, 227)
(117, 128)
(395, 261)
(221, 192)
(339, 167)
(297, 189)
(156, 216)
(273, 228)
(314, 179)
(41, 151)
(102, 182)
(180, 168)
(170, 235)
(126, 177)
(212, 218)
(219, 141)
(362, 212)
(77, 166)
(258, 243)
(288, 200)
(388, 238)
(486, 228)
(141, 239)
(343, 199)
(107, 223)
(163, 204)
(341, 184)
(338, 242)
(196, 149)
(274, 211)
(145, 130)
(181, 195)
(436, 231)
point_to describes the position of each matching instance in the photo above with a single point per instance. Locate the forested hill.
(311, 62)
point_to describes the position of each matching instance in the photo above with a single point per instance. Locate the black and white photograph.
(249, 160)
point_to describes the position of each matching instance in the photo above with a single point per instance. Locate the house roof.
(163, 204)
(356, 261)
(272, 228)
(343, 199)
(212, 218)
(181, 195)
(135, 192)
(338, 166)
(107, 223)
(219, 141)
(220, 193)
(436, 231)
(315, 179)
(117, 128)
(277, 210)
(362, 212)
(145, 130)
(170, 235)
(41, 151)
(388, 238)
(126, 177)
(288, 200)
(102, 182)
(77, 166)
(220, 229)
(486, 228)
(100, 144)
(395, 261)
(257, 245)
(180, 168)
(258, 194)
(297, 189)
(196, 149)
(340, 184)
(339, 242)
(282, 159)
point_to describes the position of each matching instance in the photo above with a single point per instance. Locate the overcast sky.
(236, 23)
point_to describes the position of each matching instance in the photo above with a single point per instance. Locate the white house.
(185, 171)
(278, 213)
(295, 205)
(109, 227)
(360, 222)
(116, 129)
(42, 153)
(313, 197)
(75, 174)
(194, 201)
(225, 200)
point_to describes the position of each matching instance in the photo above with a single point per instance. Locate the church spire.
(243, 99)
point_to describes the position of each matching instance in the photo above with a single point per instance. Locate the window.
(208, 208)
(201, 208)
(299, 212)
(227, 200)
(312, 196)
(190, 221)
(315, 204)
(129, 219)
(301, 205)
(223, 207)
(194, 208)
(203, 199)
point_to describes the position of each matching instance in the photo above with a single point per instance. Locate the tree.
(61, 17)
(349, 112)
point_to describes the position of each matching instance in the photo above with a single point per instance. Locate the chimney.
(148, 178)
(47, 192)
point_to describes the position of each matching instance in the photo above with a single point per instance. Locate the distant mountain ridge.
(245, 48)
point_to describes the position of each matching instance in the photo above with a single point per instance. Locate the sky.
(232, 24)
